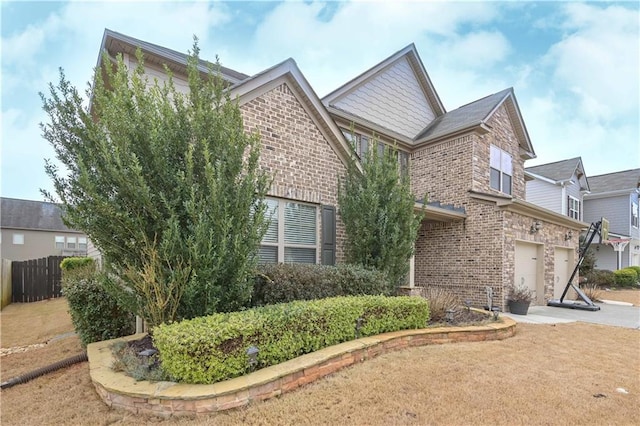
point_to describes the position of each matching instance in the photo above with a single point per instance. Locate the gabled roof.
(397, 91)
(628, 180)
(114, 42)
(476, 115)
(289, 73)
(28, 214)
(561, 171)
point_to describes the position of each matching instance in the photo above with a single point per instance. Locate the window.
(82, 243)
(573, 208)
(634, 214)
(71, 242)
(361, 143)
(501, 170)
(292, 233)
(18, 239)
(60, 241)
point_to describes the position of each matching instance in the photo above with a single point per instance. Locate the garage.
(528, 269)
(562, 269)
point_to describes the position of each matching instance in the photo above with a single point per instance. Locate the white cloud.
(23, 154)
(598, 58)
(359, 35)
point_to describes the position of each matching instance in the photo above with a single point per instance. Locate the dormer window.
(501, 170)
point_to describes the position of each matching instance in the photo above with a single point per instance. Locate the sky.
(574, 66)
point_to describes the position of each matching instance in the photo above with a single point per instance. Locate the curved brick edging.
(171, 399)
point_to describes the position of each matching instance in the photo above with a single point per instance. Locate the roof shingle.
(29, 214)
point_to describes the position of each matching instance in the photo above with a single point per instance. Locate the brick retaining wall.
(173, 399)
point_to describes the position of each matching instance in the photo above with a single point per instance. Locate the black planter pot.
(518, 307)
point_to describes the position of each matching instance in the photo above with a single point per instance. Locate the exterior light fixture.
(568, 235)
(467, 304)
(252, 353)
(496, 313)
(449, 315)
(359, 322)
(147, 357)
(535, 227)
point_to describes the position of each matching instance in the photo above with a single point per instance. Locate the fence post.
(5, 284)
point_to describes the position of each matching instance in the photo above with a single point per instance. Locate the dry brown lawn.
(37, 322)
(564, 374)
(626, 295)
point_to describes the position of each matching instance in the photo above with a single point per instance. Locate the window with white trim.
(18, 239)
(59, 241)
(292, 233)
(82, 243)
(573, 208)
(71, 243)
(501, 170)
(634, 214)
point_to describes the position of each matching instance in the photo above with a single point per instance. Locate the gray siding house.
(558, 186)
(34, 229)
(614, 196)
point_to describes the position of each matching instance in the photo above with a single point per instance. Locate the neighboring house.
(614, 196)
(468, 164)
(558, 186)
(34, 229)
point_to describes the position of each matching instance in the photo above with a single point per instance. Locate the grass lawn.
(562, 374)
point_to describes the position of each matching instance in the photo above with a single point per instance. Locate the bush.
(71, 263)
(94, 312)
(440, 301)
(601, 278)
(635, 268)
(213, 348)
(281, 283)
(625, 277)
(592, 291)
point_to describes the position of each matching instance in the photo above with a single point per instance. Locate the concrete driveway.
(609, 314)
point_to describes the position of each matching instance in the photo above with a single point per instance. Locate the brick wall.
(443, 171)
(465, 257)
(502, 136)
(303, 164)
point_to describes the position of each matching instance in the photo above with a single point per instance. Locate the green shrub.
(94, 312)
(635, 268)
(71, 263)
(213, 348)
(625, 277)
(601, 278)
(280, 283)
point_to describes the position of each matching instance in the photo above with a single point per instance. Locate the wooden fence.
(36, 279)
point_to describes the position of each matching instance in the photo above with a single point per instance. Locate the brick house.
(466, 168)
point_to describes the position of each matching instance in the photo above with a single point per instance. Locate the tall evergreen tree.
(377, 209)
(167, 186)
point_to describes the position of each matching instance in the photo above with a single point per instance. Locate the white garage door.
(527, 266)
(562, 269)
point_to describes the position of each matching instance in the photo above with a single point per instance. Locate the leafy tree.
(377, 209)
(168, 186)
(589, 262)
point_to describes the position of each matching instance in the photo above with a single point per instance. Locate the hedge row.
(281, 283)
(214, 348)
(95, 314)
(626, 277)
